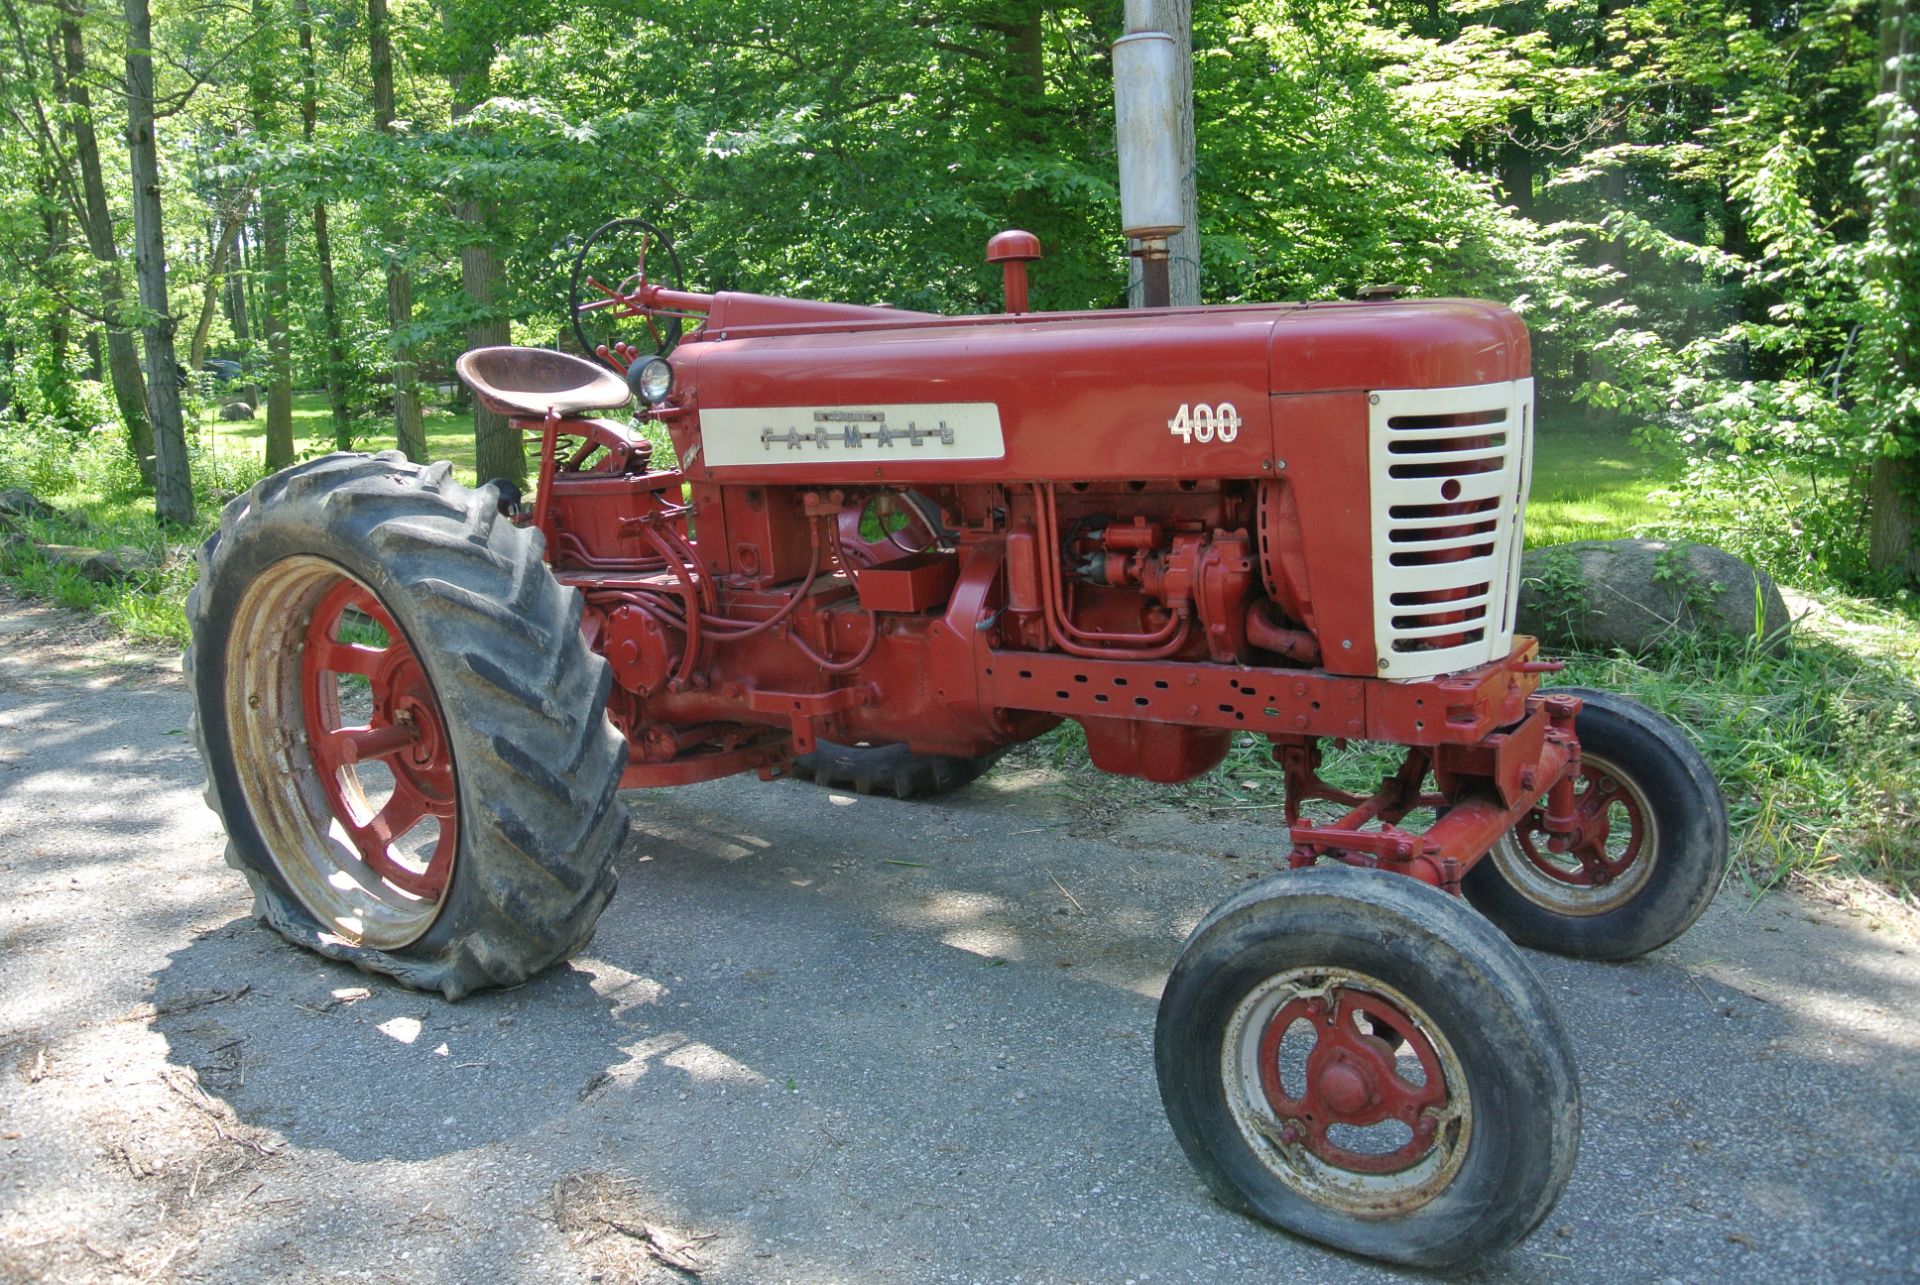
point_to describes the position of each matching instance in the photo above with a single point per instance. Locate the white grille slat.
(1473, 486)
(1430, 433)
(1447, 545)
(1487, 581)
(1450, 457)
(1452, 604)
(1475, 625)
(1427, 524)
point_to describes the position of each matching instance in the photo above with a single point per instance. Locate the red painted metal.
(1013, 251)
(1596, 794)
(404, 731)
(1166, 590)
(1352, 1078)
(917, 582)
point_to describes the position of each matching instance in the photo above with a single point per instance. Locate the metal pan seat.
(533, 383)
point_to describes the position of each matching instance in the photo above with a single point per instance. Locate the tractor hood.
(1060, 395)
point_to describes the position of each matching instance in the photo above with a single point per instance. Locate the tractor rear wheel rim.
(1609, 861)
(342, 749)
(1347, 1091)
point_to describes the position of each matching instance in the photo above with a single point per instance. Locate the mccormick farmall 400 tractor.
(929, 538)
(891, 546)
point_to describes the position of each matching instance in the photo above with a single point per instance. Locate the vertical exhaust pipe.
(1146, 131)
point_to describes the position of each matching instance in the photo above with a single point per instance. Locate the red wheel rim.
(1346, 1091)
(403, 730)
(1355, 1077)
(1611, 835)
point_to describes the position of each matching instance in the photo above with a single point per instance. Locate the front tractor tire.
(404, 731)
(1652, 851)
(1359, 1059)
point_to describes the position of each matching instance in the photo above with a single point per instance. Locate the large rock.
(102, 566)
(18, 502)
(1637, 595)
(236, 410)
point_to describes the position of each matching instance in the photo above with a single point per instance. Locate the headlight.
(651, 380)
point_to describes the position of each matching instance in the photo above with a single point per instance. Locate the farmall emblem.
(851, 430)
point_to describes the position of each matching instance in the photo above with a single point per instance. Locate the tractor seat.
(533, 383)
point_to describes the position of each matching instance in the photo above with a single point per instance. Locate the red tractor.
(927, 538)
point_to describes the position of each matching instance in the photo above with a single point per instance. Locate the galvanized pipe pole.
(1153, 99)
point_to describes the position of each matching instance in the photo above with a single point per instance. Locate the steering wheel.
(614, 261)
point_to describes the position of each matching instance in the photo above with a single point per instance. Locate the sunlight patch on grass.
(1592, 483)
(449, 432)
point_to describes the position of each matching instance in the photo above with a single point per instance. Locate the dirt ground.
(817, 1039)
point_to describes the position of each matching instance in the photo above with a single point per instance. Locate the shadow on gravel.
(341, 1060)
(912, 1037)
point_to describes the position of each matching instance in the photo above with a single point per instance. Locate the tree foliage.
(1705, 208)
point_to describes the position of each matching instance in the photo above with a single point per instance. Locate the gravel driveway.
(818, 1038)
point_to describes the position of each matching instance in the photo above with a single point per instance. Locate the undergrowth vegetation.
(94, 489)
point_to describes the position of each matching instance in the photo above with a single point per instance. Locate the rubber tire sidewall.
(496, 926)
(1689, 817)
(1513, 1049)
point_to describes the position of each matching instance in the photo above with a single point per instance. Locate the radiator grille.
(1450, 474)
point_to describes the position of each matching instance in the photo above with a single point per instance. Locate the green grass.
(449, 432)
(1814, 749)
(1594, 483)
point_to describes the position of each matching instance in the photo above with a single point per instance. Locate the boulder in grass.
(102, 566)
(1636, 595)
(236, 410)
(123, 563)
(18, 502)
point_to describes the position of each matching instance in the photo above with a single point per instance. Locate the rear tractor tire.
(890, 769)
(404, 731)
(1652, 855)
(1361, 1060)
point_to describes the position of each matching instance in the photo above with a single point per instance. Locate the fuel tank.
(1201, 393)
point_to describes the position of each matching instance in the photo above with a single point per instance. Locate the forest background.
(1705, 210)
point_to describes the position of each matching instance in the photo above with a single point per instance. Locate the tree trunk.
(222, 250)
(1516, 161)
(263, 93)
(123, 363)
(336, 372)
(498, 451)
(1893, 498)
(238, 270)
(273, 322)
(250, 270)
(1175, 17)
(234, 308)
(173, 483)
(246, 304)
(1893, 526)
(410, 433)
(56, 385)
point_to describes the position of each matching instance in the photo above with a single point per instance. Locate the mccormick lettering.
(849, 433)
